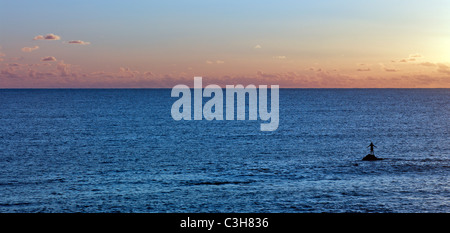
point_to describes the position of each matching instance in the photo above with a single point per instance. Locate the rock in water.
(370, 157)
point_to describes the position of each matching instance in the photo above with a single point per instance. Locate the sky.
(159, 44)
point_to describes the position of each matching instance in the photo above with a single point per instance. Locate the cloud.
(64, 69)
(383, 67)
(50, 58)
(279, 57)
(29, 49)
(416, 55)
(50, 36)
(257, 46)
(427, 64)
(127, 72)
(59, 74)
(412, 57)
(264, 75)
(8, 74)
(363, 69)
(40, 37)
(79, 42)
(214, 62)
(149, 74)
(442, 68)
(315, 69)
(407, 60)
(40, 75)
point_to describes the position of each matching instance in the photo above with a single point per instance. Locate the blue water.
(121, 151)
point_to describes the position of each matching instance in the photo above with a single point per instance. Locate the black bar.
(226, 222)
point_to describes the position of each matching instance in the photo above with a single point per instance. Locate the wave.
(218, 182)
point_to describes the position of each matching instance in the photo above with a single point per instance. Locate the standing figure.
(371, 149)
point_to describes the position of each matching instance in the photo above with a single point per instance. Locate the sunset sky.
(151, 44)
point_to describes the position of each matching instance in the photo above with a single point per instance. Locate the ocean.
(119, 150)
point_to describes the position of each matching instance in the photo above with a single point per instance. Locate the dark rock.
(370, 157)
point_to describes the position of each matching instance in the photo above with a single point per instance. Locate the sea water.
(119, 150)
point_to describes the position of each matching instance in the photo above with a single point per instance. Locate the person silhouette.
(371, 148)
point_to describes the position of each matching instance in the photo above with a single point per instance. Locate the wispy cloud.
(364, 67)
(50, 36)
(149, 74)
(442, 68)
(412, 57)
(64, 69)
(80, 42)
(215, 62)
(431, 64)
(416, 55)
(127, 72)
(29, 49)
(257, 46)
(279, 57)
(50, 58)
(383, 67)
